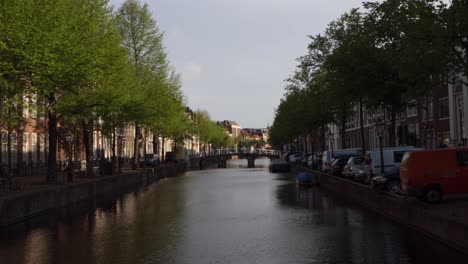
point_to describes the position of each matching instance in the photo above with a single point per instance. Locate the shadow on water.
(364, 236)
(242, 163)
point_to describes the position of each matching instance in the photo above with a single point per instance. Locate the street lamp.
(380, 127)
(331, 138)
(68, 141)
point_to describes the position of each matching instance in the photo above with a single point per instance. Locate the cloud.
(192, 72)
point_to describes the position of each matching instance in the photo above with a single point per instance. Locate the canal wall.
(203, 163)
(23, 205)
(417, 215)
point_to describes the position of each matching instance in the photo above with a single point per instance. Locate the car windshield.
(358, 161)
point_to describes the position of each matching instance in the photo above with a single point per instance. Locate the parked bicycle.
(8, 181)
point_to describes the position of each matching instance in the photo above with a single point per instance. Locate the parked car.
(151, 159)
(338, 165)
(388, 182)
(296, 158)
(329, 156)
(305, 158)
(356, 169)
(288, 154)
(314, 161)
(392, 158)
(433, 174)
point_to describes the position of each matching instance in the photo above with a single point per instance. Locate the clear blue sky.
(235, 54)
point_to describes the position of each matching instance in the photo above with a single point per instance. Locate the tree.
(143, 40)
(56, 53)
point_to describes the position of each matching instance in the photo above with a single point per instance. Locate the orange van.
(432, 174)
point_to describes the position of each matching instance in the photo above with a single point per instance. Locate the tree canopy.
(377, 58)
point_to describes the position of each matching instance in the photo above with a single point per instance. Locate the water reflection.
(220, 216)
(360, 236)
(36, 248)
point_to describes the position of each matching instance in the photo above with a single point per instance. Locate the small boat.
(278, 165)
(306, 178)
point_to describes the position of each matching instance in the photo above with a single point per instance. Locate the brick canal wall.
(21, 206)
(417, 215)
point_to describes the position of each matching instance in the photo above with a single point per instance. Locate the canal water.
(235, 215)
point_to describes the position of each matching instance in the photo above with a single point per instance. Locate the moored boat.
(306, 178)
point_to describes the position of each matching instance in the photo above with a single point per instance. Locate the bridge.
(220, 156)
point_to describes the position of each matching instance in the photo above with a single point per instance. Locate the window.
(462, 158)
(34, 146)
(42, 147)
(411, 108)
(398, 156)
(443, 108)
(443, 138)
(4, 141)
(428, 111)
(25, 147)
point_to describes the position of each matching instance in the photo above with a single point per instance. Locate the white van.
(329, 156)
(392, 159)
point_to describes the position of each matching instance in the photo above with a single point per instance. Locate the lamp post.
(68, 139)
(380, 126)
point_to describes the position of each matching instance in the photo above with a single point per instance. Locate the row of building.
(28, 146)
(440, 120)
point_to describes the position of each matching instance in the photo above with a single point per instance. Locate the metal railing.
(235, 151)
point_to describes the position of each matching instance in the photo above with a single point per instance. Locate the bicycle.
(8, 181)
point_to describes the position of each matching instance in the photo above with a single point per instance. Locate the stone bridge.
(220, 156)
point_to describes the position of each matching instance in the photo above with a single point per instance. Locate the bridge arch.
(220, 157)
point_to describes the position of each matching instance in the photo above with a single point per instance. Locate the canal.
(235, 215)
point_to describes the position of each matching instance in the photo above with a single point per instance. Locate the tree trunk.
(1, 148)
(88, 145)
(162, 148)
(114, 160)
(322, 137)
(343, 119)
(155, 144)
(144, 146)
(135, 147)
(9, 149)
(361, 123)
(19, 151)
(391, 133)
(52, 157)
(305, 144)
(19, 143)
(420, 135)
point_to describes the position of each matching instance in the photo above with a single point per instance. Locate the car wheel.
(393, 187)
(432, 195)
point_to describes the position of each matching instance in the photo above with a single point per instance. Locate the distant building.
(233, 129)
(260, 134)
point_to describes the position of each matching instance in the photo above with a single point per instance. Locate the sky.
(234, 55)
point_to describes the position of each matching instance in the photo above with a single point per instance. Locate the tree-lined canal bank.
(233, 215)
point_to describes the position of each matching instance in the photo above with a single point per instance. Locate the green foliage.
(162, 104)
(389, 53)
(85, 64)
(210, 132)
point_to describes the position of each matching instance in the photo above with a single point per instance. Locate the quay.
(446, 221)
(37, 197)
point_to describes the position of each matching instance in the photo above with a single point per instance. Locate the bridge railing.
(226, 151)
